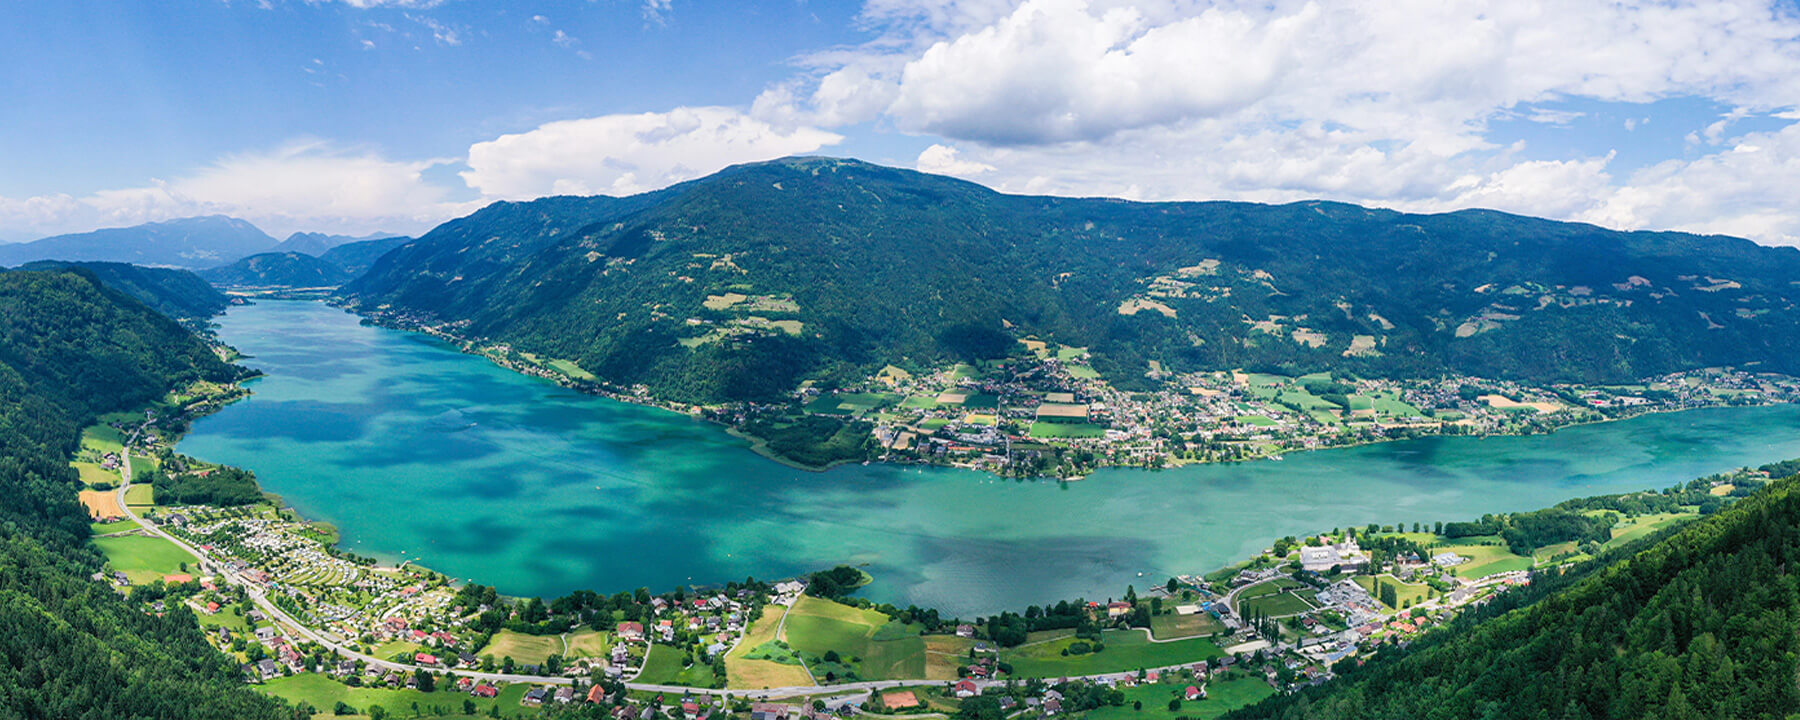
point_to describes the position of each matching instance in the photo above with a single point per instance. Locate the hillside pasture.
(816, 626)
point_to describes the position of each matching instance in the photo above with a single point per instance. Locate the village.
(1050, 414)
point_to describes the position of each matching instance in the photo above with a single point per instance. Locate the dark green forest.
(72, 348)
(886, 266)
(1702, 623)
(277, 269)
(173, 292)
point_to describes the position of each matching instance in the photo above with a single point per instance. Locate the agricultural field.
(143, 559)
(325, 693)
(140, 495)
(112, 527)
(1165, 627)
(588, 643)
(1275, 605)
(1125, 650)
(101, 503)
(1222, 696)
(102, 439)
(92, 474)
(944, 654)
(523, 649)
(743, 672)
(1040, 429)
(815, 626)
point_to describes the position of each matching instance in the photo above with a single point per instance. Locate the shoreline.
(759, 445)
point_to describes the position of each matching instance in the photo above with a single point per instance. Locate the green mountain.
(197, 242)
(356, 257)
(741, 284)
(277, 269)
(1704, 623)
(72, 348)
(175, 293)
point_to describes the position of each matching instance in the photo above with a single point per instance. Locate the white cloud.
(1744, 190)
(622, 154)
(942, 159)
(656, 11)
(304, 185)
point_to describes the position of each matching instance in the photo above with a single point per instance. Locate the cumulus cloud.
(622, 154)
(942, 159)
(303, 185)
(1383, 103)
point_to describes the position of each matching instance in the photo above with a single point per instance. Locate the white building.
(1321, 559)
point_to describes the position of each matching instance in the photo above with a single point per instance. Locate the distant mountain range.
(744, 283)
(198, 242)
(317, 244)
(277, 269)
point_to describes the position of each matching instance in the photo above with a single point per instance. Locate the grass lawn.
(1402, 591)
(589, 643)
(393, 647)
(919, 402)
(572, 370)
(1066, 353)
(1270, 587)
(92, 474)
(1041, 429)
(1485, 560)
(945, 653)
(1082, 372)
(663, 667)
(1221, 697)
(933, 424)
(325, 693)
(742, 672)
(143, 559)
(1274, 605)
(224, 618)
(140, 495)
(113, 527)
(523, 649)
(1125, 650)
(815, 626)
(1387, 404)
(102, 438)
(1633, 528)
(1257, 420)
(1180, 626)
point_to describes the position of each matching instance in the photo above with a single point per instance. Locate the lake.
(418, 451)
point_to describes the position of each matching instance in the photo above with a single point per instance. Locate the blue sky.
(357, 115)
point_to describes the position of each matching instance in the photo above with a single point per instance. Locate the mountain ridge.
(882, 266)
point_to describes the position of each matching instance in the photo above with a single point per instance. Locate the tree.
(425, 680)
(377, 712)
(1174, 704)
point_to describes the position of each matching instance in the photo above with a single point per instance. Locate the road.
(262, 602)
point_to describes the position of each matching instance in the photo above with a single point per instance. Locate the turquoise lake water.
(415, 450)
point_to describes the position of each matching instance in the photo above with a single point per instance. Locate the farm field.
(92, 474)
(588, 643)
(139, 495)
(523, 649)
(143, 559)
(1040, 429)
(325, 693)
(102, 438)
(101, 503)
(1125, 650)
(1180, 626)
(112, 527)
(945, 653)
(815, 626)
(1275, 605)
(742, 672)
(1221, 697)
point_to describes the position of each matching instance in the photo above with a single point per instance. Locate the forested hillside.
(71, 348)
(175, 293)
(277, 269)
(741, 284)
(356, 257)
(1702, 624)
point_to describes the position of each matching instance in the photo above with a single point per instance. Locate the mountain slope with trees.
(277, 269)
(72, 348)
(176, 293)
(741, 284)
(1704, 623)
